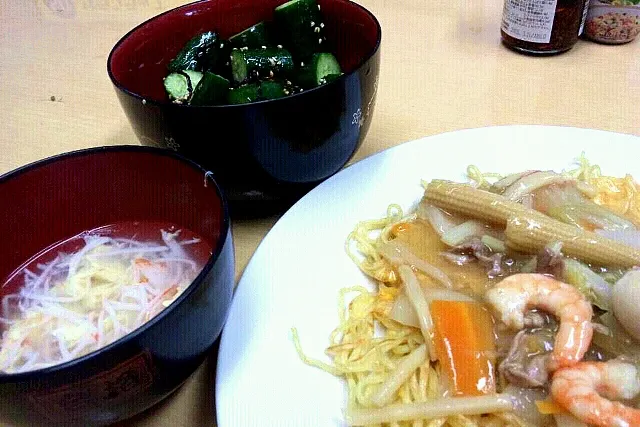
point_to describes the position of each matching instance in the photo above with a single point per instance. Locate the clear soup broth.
(87, 291)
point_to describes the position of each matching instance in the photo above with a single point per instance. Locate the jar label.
(529, 20)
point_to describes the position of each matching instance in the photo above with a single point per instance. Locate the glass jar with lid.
(542, 26)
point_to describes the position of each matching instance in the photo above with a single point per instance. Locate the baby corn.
(467, 200)
(528, 234)
(527, 230)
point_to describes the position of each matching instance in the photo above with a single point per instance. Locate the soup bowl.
(262, 153)
(53, 199)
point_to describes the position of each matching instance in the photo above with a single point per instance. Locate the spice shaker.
(542, 26)
(613, 21)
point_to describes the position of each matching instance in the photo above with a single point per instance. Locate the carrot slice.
(465, 346)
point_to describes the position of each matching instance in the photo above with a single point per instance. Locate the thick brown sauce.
(425, 243)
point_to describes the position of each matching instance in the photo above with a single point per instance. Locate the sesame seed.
(264, 47)
(302, 64)
(318, 7)
(270, 73)
(288, 82)
(221, 45)
(279, 46)
(144, 101)
(316, 29)
(322, 25)
(319, 41)
(257, 73)
(313, 24)
(235, 48)
(286, 92)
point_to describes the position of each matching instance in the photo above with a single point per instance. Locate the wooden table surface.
(443, 68)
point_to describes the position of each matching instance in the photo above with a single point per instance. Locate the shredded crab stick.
(82, 301)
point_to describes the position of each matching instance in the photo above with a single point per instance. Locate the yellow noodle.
(452, 408)
(367, 359)
(373, 264)
(480, 178)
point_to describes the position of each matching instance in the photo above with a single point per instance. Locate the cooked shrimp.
(512, 296)
(585, 389)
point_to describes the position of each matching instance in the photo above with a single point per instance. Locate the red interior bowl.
(265, 154)
(57, 198)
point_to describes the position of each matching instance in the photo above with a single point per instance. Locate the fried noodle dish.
(500, 301)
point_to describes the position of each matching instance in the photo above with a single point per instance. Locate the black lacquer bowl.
(265, 153)
(56, 198)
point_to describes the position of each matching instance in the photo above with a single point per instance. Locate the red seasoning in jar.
(542, 26)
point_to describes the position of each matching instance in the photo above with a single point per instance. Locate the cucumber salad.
(269, 60)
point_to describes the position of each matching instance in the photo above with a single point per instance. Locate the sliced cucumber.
(320, 69)
(330, 77)
(244, 94)
(211, 90)
(221, 64)
(301, 27)
(197, 53)
(239, 68)
(253, 37)
(179, 85)
(291, 88)
(257, 63)
(194, 77)
(272, 90)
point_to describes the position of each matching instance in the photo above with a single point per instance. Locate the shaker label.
(529, 20)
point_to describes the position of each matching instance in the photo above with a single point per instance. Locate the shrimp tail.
(517, 293)
(588, 391)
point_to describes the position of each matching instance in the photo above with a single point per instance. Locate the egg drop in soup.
(87, 291)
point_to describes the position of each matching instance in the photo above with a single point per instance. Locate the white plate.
(295, 274)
